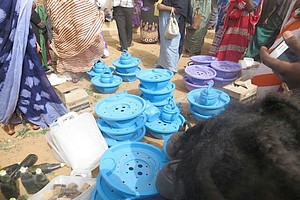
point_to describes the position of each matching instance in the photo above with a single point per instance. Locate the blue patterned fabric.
(23, 83)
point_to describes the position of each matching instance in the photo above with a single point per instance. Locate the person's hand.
(38, 48)
(286, 71)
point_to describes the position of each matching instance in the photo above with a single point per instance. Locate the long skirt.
(194, 39)
(149, 25)
(168, 54)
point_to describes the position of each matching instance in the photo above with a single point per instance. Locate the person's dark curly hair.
(247, 152)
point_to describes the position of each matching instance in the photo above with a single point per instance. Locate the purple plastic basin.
(200, 74)
(202, 60)
(226, 69)
(190, 86)
(221, 82)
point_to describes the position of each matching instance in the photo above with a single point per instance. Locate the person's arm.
(165, 8)
(35, 18)
(288, 72)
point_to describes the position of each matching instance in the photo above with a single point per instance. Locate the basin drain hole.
(140, 166)
(140, 173)
(130, 168)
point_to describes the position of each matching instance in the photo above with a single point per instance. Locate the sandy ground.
(15, 148)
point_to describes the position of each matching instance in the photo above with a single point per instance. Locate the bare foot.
(9, 129)
(34, 127)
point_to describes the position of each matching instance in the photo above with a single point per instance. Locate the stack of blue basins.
(198, 76)
(128, 171)
(168, 122)
(207, 102)
(227, 72)
(156, 86)
(98, 68)
(121, 118)
(107, 82)
(127, 66)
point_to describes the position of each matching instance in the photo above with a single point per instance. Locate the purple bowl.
(226, 69)
(202, 60)
(221, 82)
(190, 86)
(199, 74)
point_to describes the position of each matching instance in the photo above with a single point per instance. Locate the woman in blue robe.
(23, 83)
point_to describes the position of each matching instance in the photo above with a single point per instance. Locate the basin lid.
(99, 63)
(171, 107)
(161, 127)
(97, 81)
(154, 75)
(126, 60)
(131, 168)
(205, 59)
(207, 94)
(200, 72)
(121, 106)
(226, 66)
(222, 99)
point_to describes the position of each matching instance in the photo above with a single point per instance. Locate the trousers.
(123, 17)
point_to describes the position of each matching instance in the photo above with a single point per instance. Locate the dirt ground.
(15, 148)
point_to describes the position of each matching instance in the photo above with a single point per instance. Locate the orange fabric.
(266, 80)
(293, 26)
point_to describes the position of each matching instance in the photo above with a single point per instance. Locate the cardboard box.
(74, 98)
(243, 91)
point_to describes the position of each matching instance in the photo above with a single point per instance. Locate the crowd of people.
(247, 152)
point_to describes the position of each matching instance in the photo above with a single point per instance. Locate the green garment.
(268, 27)
(42, 13)
(194, 39)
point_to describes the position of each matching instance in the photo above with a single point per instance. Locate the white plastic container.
(86, 195)
(77, 140)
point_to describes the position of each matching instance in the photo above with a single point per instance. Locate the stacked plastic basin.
(127, 66)
(198, 73)
(202, 60)
(121, 118)
(98, 68)
(227, 72)
(198, 76)
(107, 82)
(156, 86)
(128, 171)
(207, 102)
(169, 121)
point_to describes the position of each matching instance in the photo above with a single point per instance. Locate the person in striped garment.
(76, 35)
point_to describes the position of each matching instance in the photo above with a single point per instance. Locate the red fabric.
(239, 26)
